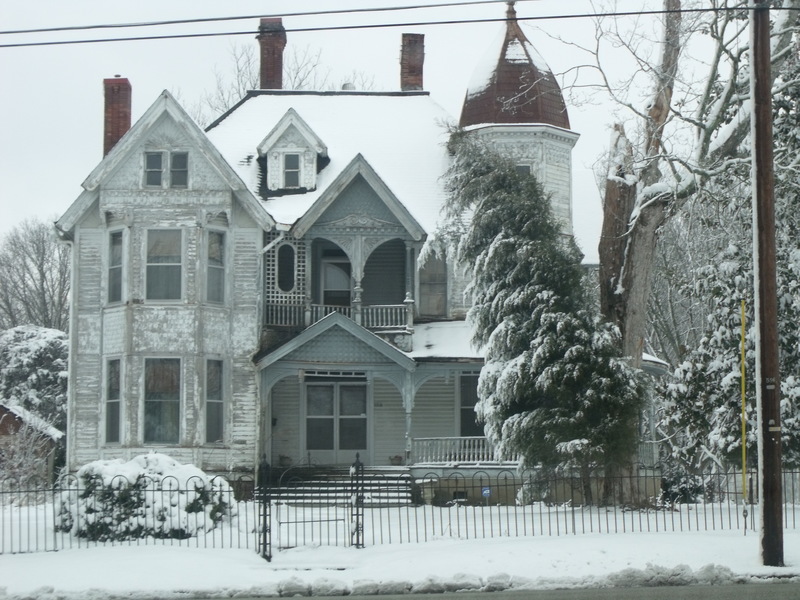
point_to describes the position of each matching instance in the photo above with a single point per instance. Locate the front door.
(336, 421)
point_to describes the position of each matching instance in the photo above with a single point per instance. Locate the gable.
(358, 203)
(360, 187)
(337, 346)
(337, 340)
(165, 127)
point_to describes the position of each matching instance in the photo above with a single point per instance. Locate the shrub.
(151, 495)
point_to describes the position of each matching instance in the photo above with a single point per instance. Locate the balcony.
(393, 317)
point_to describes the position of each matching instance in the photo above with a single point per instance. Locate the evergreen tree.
(700, 415)
(554, 389)
(33, 372)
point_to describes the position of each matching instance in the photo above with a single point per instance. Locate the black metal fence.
(363, 507)
(35, 517)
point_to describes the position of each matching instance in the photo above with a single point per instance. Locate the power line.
(248, 17)
(380, 26)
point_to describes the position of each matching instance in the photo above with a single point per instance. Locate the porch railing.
(390, 316)
(454, 450)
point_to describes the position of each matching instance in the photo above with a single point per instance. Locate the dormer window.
(291, 156)
(166, 169)
(291, 170)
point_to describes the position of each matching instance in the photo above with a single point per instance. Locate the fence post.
(357, 503)
(264, 507)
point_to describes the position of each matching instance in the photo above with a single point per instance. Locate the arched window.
(286, 260)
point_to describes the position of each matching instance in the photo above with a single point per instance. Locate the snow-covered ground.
(591, 560)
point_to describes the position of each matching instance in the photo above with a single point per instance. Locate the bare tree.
(691, 129)
(34, 277)
(303, 69)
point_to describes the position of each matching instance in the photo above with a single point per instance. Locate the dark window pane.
(113, 382)
(352, 434)
(216, 267)
(164, 246)
(112, 422)
(468, 400)
(292, 161)
(179, 169)
(524, 169)
(153, 168)
(214, 429)
(115, 284)
(161, 422)
(163, 282)
(319, 434)
(353, 400)
(286, 268)
(162, 378)
(320, 400)
(214, 380)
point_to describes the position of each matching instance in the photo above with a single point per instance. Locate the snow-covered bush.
(151, 495)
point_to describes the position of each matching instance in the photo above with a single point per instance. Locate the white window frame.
(220, 269)
(149, 264)
(219, 402)
(116, 268)
(178, 400)
(166, 171)
(298, 170)
(107, 400)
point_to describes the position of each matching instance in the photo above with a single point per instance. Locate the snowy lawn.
(143, 572)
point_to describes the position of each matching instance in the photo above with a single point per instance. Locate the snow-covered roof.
(401, 135)
(33, 421)
(444, 340)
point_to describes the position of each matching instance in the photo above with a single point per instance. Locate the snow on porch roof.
(401, 134)
(446, 340)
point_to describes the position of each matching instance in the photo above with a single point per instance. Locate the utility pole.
(766, 296)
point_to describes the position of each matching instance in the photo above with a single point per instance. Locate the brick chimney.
(412, 57)
(117, 111)
(272, 39)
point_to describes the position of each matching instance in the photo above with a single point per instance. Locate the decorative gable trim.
(130, 143)
(292, 119)
(336, 320)
(359, 166)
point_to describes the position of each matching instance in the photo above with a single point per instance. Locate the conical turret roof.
(514, 85)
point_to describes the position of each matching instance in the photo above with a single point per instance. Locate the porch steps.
(383, 487)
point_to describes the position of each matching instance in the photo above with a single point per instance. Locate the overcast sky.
(51, 108)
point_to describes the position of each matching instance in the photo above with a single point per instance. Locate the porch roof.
(449, 340)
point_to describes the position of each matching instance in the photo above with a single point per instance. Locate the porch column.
(408, 406)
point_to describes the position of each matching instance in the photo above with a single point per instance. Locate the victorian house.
(256, 289)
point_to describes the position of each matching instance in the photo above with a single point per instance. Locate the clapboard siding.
(285, 399)
(388, 423)
(434, 409)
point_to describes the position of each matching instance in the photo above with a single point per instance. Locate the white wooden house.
(255, 289)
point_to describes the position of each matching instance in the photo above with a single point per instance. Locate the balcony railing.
(454, 450)
(391, 316)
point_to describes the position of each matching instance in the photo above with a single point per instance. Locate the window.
(214, 404)
(469, 398)
(433, 288)
(157, 163)
(164, 264)
(524, 169)
(291, 170)
(162, 400)
(115, 267)
(336, 416)
(113, 388)
(286, 257)
(179, 169)
(216, 267)
(153, 168)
